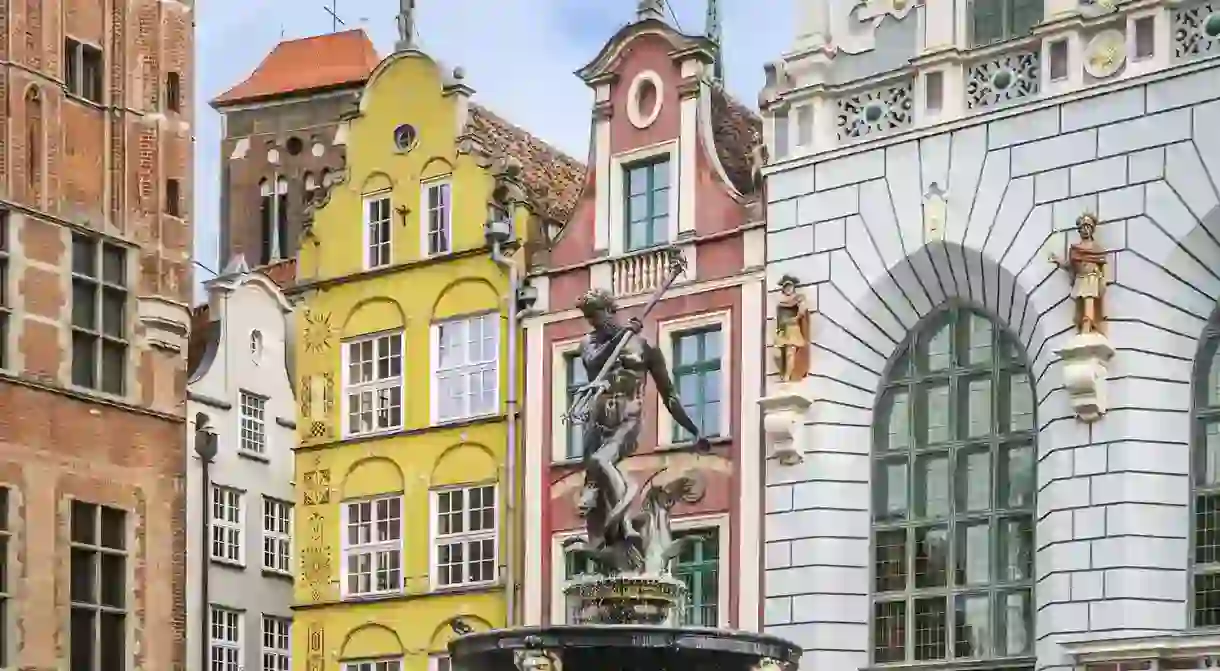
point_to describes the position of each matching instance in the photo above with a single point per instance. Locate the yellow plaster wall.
(410, 296)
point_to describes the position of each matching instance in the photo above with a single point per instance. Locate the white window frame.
(374, 664)
(466, 368)
(559, 397)
(279, 635)
(465, 537)
(252, 432)
(371, 548)
(384, 246)
(233, 530)
(425, 216)
(619, 166)
(439, 662)
(232, 624)
(276, 511)
(666, 331)
(374, 386)
(719, 522)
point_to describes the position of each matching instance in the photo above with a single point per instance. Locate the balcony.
(638, 272)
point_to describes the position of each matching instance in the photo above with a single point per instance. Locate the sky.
(519, 56)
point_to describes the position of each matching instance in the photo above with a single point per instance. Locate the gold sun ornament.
(319, 332)
(1105, 54)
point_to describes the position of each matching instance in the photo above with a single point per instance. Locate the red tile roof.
(311, 63)
(283, 273)
(737, 131)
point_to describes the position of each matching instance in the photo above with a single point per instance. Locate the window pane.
(931, 641)
(890, 491)
(82, 639)
(84, 304)
(889, 631)
(972, 631)
(973, 479)
(1016, 623)
(937, 349)
(932, 486)
(896, 408)
(934, 413)
(974, 553)
(891, 560)
(931, 557)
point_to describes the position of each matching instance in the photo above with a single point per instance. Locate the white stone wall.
(1113, 497)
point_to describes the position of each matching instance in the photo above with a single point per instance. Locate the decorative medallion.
(1105, 54)
(316, 647)
(1002, 80)
(644, 99)
(318, 331)
(1196, 31)
(317, 487)
(878, 111)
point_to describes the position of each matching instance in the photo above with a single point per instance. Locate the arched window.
(1205, 479)
(953, 497)
(33, 143)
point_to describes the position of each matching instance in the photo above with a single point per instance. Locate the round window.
(405, 137)
(294, 146)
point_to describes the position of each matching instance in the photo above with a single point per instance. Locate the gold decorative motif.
(317, 487)
(315, 559)
(319, 332)
(316, 645)
(317, 399)
(1105, 54)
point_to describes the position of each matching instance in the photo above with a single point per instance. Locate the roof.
(737, 131)
(205, 336)
(308, 64)
(552, 179)
(283, 273)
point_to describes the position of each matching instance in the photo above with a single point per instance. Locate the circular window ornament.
(1105, 54)
(294, 146)
(405, 137)
(1211, 26)
(645, 92)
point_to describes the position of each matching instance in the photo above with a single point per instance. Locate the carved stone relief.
(878, 111)
(1002, 80)
(315, 658)
(1195, 31)
(1105, 54)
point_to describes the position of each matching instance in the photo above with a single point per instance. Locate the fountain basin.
(612, 647)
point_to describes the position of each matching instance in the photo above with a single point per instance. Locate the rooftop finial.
(650, 9)
(712, 31)
(406, 25)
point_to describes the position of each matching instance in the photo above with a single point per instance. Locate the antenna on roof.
(712, 31)
(335, 21)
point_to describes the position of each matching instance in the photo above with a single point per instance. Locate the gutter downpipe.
(510, 535)
(205, 448)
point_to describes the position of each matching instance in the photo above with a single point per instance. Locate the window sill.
(373, 434)
(459, 421)
(277, 574)
(77, 98)
(1003, 663)
(465, 589)
(253, 456)
(567, 461)
(229, 563)
(401, 595)
(689, 445)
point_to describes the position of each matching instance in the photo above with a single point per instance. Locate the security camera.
(527, 296)
(497, 232)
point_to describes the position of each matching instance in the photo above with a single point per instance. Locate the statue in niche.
(1086, 261)
(791, 332)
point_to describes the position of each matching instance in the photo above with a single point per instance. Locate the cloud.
(519, 56)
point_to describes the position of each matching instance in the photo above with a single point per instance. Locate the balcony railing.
(638, 272)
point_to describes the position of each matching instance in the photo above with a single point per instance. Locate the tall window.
(277, 535)
(373, 384)
(227, 525)
(5, 595)
(173, 91)
(277, 650)
(281, 246)
(699, 567)
(573, 568)
(697, 379)
(439, 663)
(437, 215)
(465, 536)
(647, 207)
(35, 157)
(576, 379)
(5, 297)
(253, 423)
(464, 367)
(394, 664)
(266, 219)
(377, 231)
(99, 314)
(953, 507)
(1205, 471)
(83, 70)
(173, 197)
(372, 546)
(999, 20)
(99, 587)
(225, 643)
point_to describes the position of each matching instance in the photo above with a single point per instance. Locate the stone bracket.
(1086, 358)
(783, 421)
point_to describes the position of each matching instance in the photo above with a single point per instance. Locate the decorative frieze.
(877, 111)
(1002, 80)
(1195, 31)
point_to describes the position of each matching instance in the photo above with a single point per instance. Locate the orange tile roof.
(283, 273)
(311, 63)
(737, 131)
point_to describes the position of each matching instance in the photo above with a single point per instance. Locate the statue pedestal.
(1085, 360)
(783, 422)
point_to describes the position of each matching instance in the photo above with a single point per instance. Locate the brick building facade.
(95, 272)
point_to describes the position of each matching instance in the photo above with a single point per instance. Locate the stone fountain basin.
(599, 647)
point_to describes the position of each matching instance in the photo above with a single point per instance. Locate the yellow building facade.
(404, 520)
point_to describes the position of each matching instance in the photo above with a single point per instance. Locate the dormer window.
(998, 20)
(646, 208)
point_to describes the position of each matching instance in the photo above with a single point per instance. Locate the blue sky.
(529, 81)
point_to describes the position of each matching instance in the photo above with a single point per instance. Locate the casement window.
(696, 373)
(173, 197)
(576, 379)
(438, 216)
(277, 643)
(227, 525)
(465, 376)
(277, 535)
(464, 536)
(372, 383)
(173, 92)
(699, 567)
(377, 225)
(225, 642)
(646, 209)
(372, 546)
(253, 423)
(99, 588)
(387, 664)
(439, 663)
(83, 70)
(5, 294)
(99, 314)
(998, 20)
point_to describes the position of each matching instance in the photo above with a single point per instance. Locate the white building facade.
(964, 479)
(241, 389)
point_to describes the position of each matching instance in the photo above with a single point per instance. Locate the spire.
(406, 25)
(712, 30)
(649, 9)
